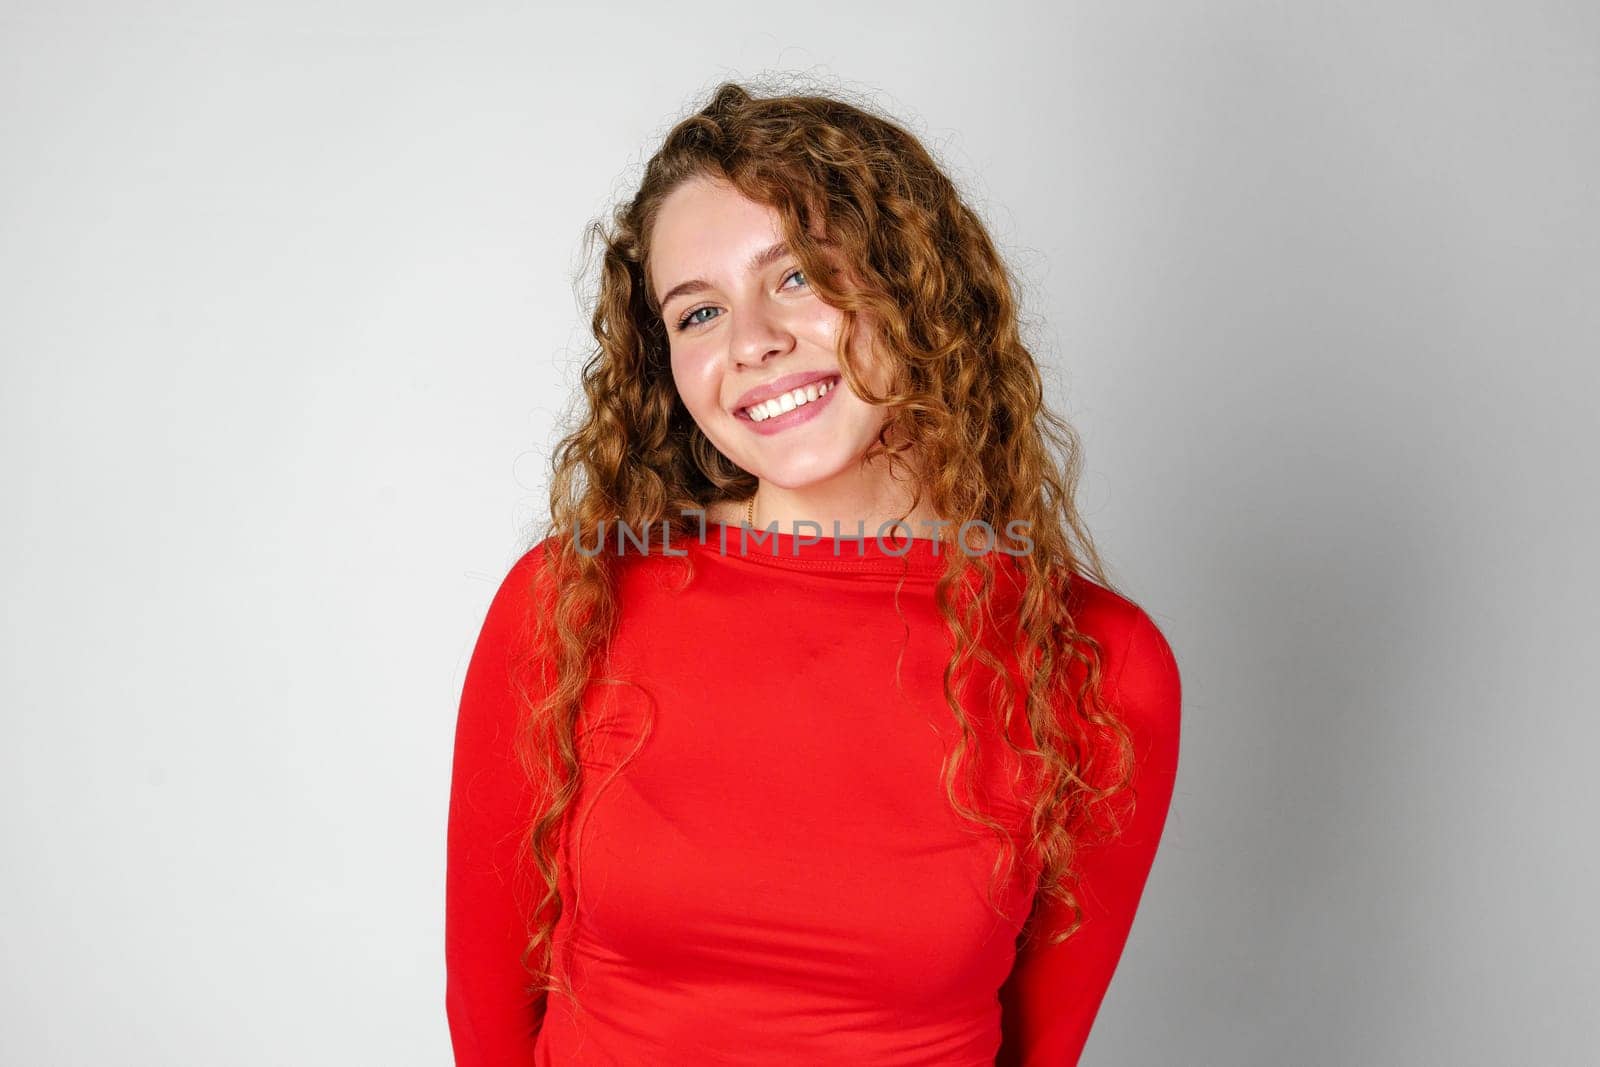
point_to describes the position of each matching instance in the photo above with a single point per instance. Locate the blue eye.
(684, 322)
(688, 319)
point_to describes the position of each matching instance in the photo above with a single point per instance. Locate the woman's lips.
(785, 383)
(800, 413)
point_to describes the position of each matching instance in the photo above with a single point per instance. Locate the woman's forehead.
(709, 234)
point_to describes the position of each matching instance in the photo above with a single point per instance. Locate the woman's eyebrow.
(760, 261)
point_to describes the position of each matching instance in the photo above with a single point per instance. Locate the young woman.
(887, 795)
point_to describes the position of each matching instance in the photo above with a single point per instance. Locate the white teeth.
(788, 401)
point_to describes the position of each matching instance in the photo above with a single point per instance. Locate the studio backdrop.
(294, 300)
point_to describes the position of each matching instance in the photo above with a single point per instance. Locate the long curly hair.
(879, 230)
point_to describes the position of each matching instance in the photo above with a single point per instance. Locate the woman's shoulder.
(1138, 666)
(528, 572)
(522, 589)
(1104, 613)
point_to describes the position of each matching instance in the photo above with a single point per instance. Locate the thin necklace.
(750, 510)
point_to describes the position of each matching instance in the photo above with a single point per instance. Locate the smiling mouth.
(786, 402)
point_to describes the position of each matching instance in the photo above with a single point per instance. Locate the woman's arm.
(493, 1021)
(1050, 1000)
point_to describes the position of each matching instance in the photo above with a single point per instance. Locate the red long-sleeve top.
(762, 865)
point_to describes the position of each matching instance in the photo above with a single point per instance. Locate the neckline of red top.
(894, 553)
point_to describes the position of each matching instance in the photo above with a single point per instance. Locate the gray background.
(289, 311)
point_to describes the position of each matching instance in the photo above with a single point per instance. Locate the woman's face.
(742, 321)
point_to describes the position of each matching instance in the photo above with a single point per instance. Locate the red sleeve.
(1053, 993)
(493, 1020)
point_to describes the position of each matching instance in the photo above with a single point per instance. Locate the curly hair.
(879, 230)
